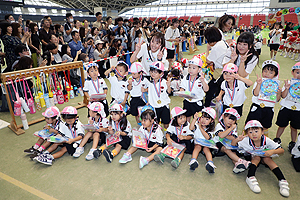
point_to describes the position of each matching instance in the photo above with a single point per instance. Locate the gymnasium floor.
(70, 178)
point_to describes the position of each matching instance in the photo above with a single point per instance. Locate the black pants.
(214, 90)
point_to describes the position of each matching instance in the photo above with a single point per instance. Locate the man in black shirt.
(45, 34)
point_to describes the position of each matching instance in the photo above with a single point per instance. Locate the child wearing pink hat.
(178, 132)
(202, 126)
(233, 88)
(53, 123)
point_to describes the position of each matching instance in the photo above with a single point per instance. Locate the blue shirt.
(76, 47)
(117, 26)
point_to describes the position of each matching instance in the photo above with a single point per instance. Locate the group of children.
(177, 126)
(291, 45)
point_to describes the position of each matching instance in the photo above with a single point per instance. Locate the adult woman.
(155, 51)
(145, 30)
(34, 43)
(243, 55)
(77, 25)
(101, 51)
(122, 36)
(19, 33)
(95, 34)
(109, 22)
(225, 23)
(275, 35)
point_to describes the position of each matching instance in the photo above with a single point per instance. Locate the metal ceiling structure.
(108, 4)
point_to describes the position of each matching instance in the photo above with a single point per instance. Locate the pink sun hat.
(296, 66)
(97, 107)
(135, 67)
(53, 111)
(231, 111)
(253, 123)
(176, 111)
(69, 110)
(210, 111)
(230, 67)
(158, 65)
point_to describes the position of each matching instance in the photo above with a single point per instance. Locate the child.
(255, 140)
(154, 137)
(138, 38)
(53, 121)
(227, 128)
(178, 132)
(233, 87)
(118, 81)
(72, 131)
(203, 125)
(97, 118)
(289, 112)
(158, 90)
(258, 45)
(176, 76)
(297, 49)
(296, 155)
(135, 85)
(95, 84)
(263, 110)
(119, 125)
(196, 84)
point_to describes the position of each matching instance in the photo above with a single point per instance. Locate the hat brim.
(180, 113)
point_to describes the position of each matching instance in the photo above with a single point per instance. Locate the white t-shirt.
(118, 128)
(266, 143)
(75, 131)
(221, 128)
(156, 134)
(154, 100)
(199, 135)
(148, 57)
(136, 90)
(171, 34)
(248, 68)
(295, 151)
(258, 102)
(94, 87)
(239, 96)
(197, 89)
(185, 130)
(275, 39)
(217, 54)
(118, 87)
(288, 103)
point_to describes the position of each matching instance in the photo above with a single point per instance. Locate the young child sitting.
(290, 111)
(233, 87)
(195, 83)
(119, 125)
(263, 110)
(154, 135)
(203, 125)
(178, 132)
(72, 131)
(95, 84)
(97, 118)
(227, 128)
(175, 76)
(256, 141)
(53, 121)
(135, 85)
(118, 81)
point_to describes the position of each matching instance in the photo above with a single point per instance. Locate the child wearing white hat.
(203, 126)
(255, 142)
(178, 132)
(97, 118)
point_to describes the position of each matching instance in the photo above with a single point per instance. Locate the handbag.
(30, 101)
(17, 103)
(36, 96)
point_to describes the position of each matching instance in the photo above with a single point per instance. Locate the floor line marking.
(25, 187)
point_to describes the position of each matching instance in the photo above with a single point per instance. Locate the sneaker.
(35, 154)
(90, 155)
(277, 140)
(210, 167)
(253, 184)
(78, 152)
(239, 166)
(108, 155)
(284, 188)
(125, 159)
(143, 162)
(175, 163)
(97, 153)
(31, 150)
(193, 164)
(159, 158)
(46, 161)
(291, 146)
(274, 57)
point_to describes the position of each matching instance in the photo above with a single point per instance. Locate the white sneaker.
(253, 184)
(284, 188)
(210, 167)
(274, 57)
(78, 152)
(90, 155)
(293, 57)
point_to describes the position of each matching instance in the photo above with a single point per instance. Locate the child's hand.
(112, 68)
(233, 53)
(287, 85)
(143, 89)
(70, 141)
(88, 98)
(118, 133)
(202, 77)
(196, 115)
(170, 141)
(149, 149)
(47, 127)
(236, 76)
(168, 82)
(259, 79)
(181, 137)
(233, 126)
(245, 56)
(160, 53)
(130, 81)
(52, 130)
(269, 153)
(241, 137)
(218, 98)
(279, 90)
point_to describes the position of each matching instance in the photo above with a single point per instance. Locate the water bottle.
(54, 97)
(42, 100)
(72, 93)
(75, 91)
(81, 91)
(24, 121)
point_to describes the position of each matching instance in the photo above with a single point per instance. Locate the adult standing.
(153, 52)
(109, 22)
(275, 35)
(34, 43)
(76, 44)
(98, 22)
(45, 34)
(68, 27)
(225, 24)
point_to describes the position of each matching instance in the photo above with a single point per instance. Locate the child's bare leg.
(293, 134)
(53, 147)
(182, 154)
(268, 161)
(279, 131)
(40, 141)
(207, 153)
(132, 150)
(60, 153)
(196, 151)
(230, 154)
(157, 151)
(117, 150)
(96, 137)
(85, 139)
